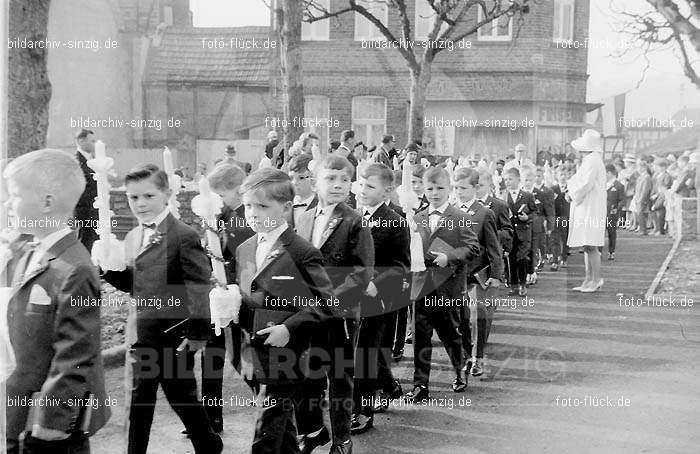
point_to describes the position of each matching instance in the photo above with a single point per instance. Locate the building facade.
(512, 82)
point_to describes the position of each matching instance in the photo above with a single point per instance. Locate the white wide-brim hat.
(589, 141)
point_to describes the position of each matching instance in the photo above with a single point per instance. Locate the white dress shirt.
(266, 241)
(147, 231)
(434, 219)
(43, 247)
(368, 212)
(323, 215)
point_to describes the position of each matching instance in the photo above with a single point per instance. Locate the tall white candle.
(219, 271)
(168, 162)
(100, 150)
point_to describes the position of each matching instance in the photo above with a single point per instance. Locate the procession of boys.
(331, 261)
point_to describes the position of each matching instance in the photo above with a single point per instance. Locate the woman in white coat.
(587, 214)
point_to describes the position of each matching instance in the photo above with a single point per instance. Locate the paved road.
(568, 348)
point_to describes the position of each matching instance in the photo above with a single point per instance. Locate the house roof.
(184, 56)
(681, 140)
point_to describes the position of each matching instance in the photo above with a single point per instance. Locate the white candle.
(100, 150)
(168, 162)
(219, 271)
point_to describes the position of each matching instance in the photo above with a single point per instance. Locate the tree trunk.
(419, 91)
(29, 89)
(292, 75)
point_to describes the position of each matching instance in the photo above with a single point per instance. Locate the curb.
(114, 356)
(662, 270)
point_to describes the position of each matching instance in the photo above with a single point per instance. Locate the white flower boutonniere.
(471, 212)
(274, 254)
(156, 238)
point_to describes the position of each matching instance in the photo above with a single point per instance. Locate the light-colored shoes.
(592, 289)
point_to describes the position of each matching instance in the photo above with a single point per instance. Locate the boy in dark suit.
(348, 252)
(225, 180)
(615, 202)
(483, 222)
(168, 276)
(287, 293)
(418, 187)
(542, 217)
(560, 232)
(85, 212)
(500, 209)
(383, 295)
(53, 311)
(305, 198)
(522, 205)
(545, 211)
(448, 245)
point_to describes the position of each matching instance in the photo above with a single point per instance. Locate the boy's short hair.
(300, 163)
(418, 171)
(83, 133)
(49, 171)
(347, 134)
(485, 178)
(336, 162)
(611, 168)
(386, 176)
(226, 177)
(434, 174)
(273, 182)
(466, 173)
(513, 171)
(539, 169)
(145, 171)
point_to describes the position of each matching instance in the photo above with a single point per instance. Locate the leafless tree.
(668, 24)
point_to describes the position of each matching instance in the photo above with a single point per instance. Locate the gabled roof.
(181, 57)
(681, 140)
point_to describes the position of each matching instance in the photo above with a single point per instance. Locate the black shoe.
(310, 442)
(554, 266)
(513, 291)
(396, 392)
(611, 256)
(217, 425)
(361, 424)
(397, 355)
(419, 394)
(409, 338)
(459, 385)
(344, 448)
(522, 291)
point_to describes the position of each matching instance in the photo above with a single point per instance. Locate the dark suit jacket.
(392, 259)
(483, 223)
(348, 254)
(233, 231)
(382, 157)
(397, 209)
(270, 148)
(422, 205)
(503, 226)
(561, 205)
(57, 345)
(453, 229)
(173, 267)
(544, 209)
(293, 268)
(615, 198)
(522, 230)
(84, 209)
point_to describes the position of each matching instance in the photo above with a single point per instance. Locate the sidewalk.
(552, 371)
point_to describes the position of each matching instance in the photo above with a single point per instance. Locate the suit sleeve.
(400, 263)
(121, 280)
(321, 287)
(76, 343)
(359, 260)
(196, 273)
(469, 245)
(549, 209)
(493, 245)
(505, 228)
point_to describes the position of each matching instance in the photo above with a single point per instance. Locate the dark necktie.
(151, 226)
(300, 205)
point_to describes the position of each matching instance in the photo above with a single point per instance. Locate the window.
(316, 31)
(317, 112)
(369, 119)
(425, 18)
(366, 30)
(563, 20)
(500, 29)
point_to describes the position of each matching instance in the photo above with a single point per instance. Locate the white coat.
(587, 214)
